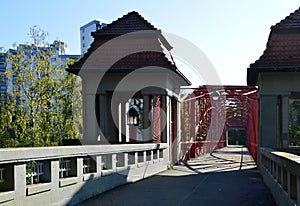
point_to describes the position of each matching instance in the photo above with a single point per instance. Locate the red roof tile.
(130, 22)
(283, 49)
(291, 21)
(152, 49)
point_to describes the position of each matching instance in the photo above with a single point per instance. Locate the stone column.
(147, 133)
(102, 116)
(126, 105)
(167, 134)
(123, 122)
(268, 121)
(285, 121)
(177, 131)
(112, 134)
(120, 121)
(90, 125)
(165, 119)
(156, 127)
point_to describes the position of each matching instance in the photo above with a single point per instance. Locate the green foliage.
(29, 171)
(39, 108)
(294, 122)
(236, 136)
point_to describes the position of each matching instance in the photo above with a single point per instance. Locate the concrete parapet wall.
(281, 173)
(71, 174)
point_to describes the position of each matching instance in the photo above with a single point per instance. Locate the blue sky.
(232, 33)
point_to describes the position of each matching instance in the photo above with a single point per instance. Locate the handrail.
(281, 171)
(285, 159)
(31, 175)
(9, 155)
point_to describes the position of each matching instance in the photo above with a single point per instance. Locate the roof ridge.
(287, 22)
(108, 26)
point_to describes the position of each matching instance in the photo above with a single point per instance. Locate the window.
(3, 88)
(82, 37)
(2, 68)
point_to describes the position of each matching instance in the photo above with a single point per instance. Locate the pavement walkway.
(226, 177)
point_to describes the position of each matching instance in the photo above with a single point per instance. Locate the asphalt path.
(225, 177)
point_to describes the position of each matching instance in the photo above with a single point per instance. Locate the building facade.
(3, 78)
(85, 34)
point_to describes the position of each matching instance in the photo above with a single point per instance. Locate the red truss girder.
(233, 98)
(201, 114)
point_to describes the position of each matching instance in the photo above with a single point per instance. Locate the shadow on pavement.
(221, 178)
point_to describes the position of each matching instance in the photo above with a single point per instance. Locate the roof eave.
(253, 72)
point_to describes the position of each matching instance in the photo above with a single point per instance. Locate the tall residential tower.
(85, 34)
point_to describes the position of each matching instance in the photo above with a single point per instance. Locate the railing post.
(20, 179)
(151, 154)
(282, 177)
(288, 183)
(99, 164)
(277, 173)
(144, 157)
(298, 190)
(55, 173)
(80, 169)
(165, 155)
(274, 169)
(114, 162)
(158, 151)
(136, 158)
(126, 160)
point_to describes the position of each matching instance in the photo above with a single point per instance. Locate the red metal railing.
(252, 127)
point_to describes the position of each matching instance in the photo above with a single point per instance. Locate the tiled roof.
(283, 49)
(152, 49)
(130, 22)
(291, 21)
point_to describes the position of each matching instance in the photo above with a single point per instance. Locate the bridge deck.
(225, 177)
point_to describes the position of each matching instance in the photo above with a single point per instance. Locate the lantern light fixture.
(133, 117)
(215, 95)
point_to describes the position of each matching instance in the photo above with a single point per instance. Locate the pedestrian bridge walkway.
(225, 177)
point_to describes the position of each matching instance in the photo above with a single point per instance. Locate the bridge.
(227, 176)
(169, 148)
(210, 171)
(69, 175)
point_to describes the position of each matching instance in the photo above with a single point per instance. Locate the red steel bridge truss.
(208, 111)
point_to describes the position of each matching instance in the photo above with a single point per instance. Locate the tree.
(294, 122)
(39, 107)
